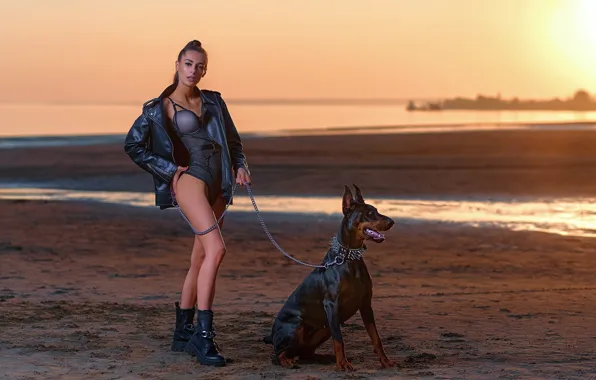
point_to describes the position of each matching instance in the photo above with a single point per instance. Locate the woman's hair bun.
(194, 43)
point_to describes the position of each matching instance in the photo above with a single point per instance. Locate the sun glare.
(585, 15)
(572, 42)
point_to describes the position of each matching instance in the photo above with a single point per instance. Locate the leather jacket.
(154, 146)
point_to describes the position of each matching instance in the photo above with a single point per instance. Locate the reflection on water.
(565, 216)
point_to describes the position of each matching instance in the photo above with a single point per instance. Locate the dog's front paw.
(387, 363)
(345, 365)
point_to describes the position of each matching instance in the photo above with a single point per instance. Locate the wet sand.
(504, 163)
(87, 290)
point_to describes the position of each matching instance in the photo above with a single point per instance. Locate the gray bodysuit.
(205, 152)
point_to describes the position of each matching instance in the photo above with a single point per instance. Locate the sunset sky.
(124, 51)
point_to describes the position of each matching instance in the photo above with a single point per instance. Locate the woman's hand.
(242, 177)
(176, 177)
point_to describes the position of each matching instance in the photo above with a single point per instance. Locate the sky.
(112, 51)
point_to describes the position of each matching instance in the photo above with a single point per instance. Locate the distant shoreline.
(581, 101)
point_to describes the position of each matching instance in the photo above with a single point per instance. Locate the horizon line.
(280, 101)
(239, 101)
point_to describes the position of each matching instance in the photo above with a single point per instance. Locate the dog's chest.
(353, 291)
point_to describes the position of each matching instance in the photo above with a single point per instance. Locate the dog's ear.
(358, 197)
(348, 200)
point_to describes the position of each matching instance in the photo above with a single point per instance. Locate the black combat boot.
(202, 344)
(184, 328)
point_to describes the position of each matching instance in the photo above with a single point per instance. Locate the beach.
(88, 289)
(493, 163)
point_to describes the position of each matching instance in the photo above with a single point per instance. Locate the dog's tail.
(268, 339)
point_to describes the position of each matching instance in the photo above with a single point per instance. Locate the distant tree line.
(581, 101)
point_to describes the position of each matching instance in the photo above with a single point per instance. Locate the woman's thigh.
(219, 207)
(192, 199)
(198, 252)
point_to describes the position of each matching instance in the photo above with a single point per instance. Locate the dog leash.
(326, 265)
(218, 220)
(338, 260)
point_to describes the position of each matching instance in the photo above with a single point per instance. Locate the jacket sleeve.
(233, 139)
(136, 146)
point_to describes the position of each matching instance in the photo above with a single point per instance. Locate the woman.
(187, 140)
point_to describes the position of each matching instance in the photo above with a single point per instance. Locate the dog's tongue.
(374, 234)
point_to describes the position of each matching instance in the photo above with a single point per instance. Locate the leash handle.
(338, 260)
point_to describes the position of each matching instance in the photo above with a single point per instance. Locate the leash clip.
(335, 261)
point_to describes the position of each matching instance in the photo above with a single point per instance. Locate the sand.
(87, 290)
(507, 163)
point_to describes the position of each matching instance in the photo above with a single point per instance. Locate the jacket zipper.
(157, 170)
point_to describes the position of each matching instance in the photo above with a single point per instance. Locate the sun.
(585, 16)
(574, 23)
(570, 44)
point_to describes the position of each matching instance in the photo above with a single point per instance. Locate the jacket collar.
(206, 99)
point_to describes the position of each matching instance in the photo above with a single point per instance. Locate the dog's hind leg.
(317, 338)
(284, 339)
(368, 317)
(287, 360)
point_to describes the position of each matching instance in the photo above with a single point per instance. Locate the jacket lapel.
(212, 116)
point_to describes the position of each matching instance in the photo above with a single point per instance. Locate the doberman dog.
(329, 296)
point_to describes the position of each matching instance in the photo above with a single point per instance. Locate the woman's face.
(191, 68)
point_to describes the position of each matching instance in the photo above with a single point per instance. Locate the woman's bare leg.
(192, 199)
(193, 202)
(188, 297)
(218, 208)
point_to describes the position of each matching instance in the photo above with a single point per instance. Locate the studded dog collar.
(345, 252)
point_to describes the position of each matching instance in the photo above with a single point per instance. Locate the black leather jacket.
(153, 145)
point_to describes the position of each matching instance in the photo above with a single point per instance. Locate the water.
(33, 120)
(564, 216)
